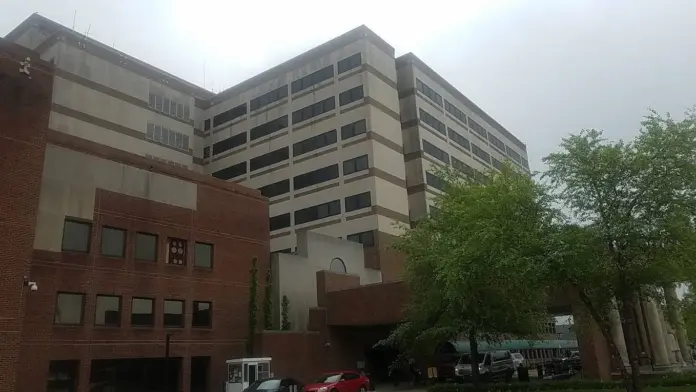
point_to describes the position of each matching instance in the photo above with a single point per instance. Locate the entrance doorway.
(378, 361)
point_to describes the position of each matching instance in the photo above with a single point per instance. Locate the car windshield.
(327, 378)
(466, 359)
(264, 385)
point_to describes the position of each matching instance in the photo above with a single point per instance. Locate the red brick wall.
(24, 111)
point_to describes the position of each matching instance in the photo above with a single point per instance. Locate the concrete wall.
(295, 274)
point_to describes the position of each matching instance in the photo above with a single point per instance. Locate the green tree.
(253, 306)
(688, 309)
(285, 308)
(476, 268)
(632, 205)
(268, 301)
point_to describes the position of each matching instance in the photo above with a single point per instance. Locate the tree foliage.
(284, 309)
(253, 306)
(632, 206)
(476, 268)
(688, 309)
(268, 301)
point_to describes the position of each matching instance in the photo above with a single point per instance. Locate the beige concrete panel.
(385, 125)
(390, 226)
(382, 92)
(80, 201)
(391, 196)
(418, 204)
(48, 234)
(171, 190)
(414, 172)
(31, 38)
(381, 61)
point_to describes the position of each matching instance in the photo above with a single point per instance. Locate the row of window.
(77, 238)
(321, 211)
(429, 92)
(314, 110)
(229, 115)
(167, 137)
(432, 121)
(268, 98)
(437, 153)
(70, 309)
(169, 106)
(479, 152)
(352, 95)
(367, 238)
(459, 139)
(435, 181)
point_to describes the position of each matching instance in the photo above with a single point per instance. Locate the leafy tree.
(268, 301)
(285, 308)
(253, 306)
(632, 205)
(688, 309)
(471, 265)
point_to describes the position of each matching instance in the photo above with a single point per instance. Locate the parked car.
(570, 362)
(517, 359)
(491, 365)
(343, 381)
(275, 384)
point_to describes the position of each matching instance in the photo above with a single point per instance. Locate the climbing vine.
(253, 317)
(268, 301)
(285, 306)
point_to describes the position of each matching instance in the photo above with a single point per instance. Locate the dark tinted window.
(69, 308)
(459, 139)
(276, 189)
(314, 143)
(108, 310)
(478, 151)
(478, 128)
(202, 314)
(269, 159)
(279, 221)
(142, 311)
(232, 171)
(430, 149)
(312, 79)
(173, 313)
(268, 98)
(355, 165)
(315, 177)
(463, 167)
(453, 110)
(435, 181)
(356, 202)
(229, 115)
(350, 376)
(353, 129)
(314, 110)
(513, 154)
(496, 164)
(76, 236)
(113, 242)
(206, 125)
(496, 142)
(203, 255)
(206, 152)
(367, 238)
(145, 247)
(428, 92)
(268, 128)
(229, 143)
(351, 95)
(432, 121)
(317, 212)
(349, 63)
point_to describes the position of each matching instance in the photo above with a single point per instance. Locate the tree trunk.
(475, 376)
(629, 327)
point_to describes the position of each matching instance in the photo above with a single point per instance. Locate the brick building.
(105, 253)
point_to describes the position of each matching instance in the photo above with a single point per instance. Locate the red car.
(344, 381)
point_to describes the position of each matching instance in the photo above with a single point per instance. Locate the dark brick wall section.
(24, 111)
(331, 281)
(375, 304)
(383, 257)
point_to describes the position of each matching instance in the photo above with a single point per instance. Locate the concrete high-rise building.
(341, 139)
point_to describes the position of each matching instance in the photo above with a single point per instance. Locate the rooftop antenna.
(87, 31)
(203, 73)
(73, 19)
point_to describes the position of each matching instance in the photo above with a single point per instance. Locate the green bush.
(672, 380)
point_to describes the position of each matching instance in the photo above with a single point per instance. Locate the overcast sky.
(542, 68)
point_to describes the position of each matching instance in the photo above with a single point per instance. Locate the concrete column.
(656, 336)
(668, 340)
(675, 319)
(618, 334)
(641, 332)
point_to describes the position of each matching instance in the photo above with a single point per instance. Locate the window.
(353, 129)
(142, 312)
(497, 143)
(176, 251)
(314, 143)
(202, 314)
(169, 106)
(314, 110)
(167, 137)
(351, 95)
(359, 201)
(206, 152)
(463, 167)
(367, 238)
(429, 92)
(203, 255)
(453, 110)
(268, 98)
(497, 164)
(173, 313)
(229, 143)
(63, 376)
(478, 128)
(113, 242)
(69, 308)
(268, 128)
(108, 310)
(355, 165)
(430, 149)
(317, 212)
(478, 151)
(206, 125)
(337, 265)
(231, 171)
(350, 376)
(312, 79)
(435, 181)
(279, 221)
(269, 159)
(349, 63)
(432, 121)
(76, 236)
(229, 115)
(459, 139)
(513, 154)
(276, 189)
(315, 177)
(434, 211)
